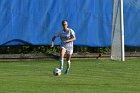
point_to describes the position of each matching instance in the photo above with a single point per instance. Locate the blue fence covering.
(34, 22)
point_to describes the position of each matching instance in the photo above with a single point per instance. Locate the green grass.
(86, 76)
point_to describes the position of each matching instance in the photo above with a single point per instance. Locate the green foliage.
(28, 49)
(132, 49)
(47, 50)
(84, 49)
(103, 50)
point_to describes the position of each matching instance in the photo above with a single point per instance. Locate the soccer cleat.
(67, 72)
(61, 69)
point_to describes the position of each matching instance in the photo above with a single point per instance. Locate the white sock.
(68, 65)
(61, 63)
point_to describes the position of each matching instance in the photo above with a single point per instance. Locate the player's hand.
(52, 45)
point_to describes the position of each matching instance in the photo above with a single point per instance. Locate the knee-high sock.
(61, 62)
(68, 65)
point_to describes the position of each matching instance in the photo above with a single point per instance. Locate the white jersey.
(66, 35)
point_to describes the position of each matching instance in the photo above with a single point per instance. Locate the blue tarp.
(34, 22)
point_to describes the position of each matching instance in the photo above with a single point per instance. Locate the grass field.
(86, 76)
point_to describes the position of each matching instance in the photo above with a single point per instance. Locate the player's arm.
(73, 37)
(53, 39)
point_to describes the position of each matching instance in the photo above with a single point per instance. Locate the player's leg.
(68, 59)
(62, 54)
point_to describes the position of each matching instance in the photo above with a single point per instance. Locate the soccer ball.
(57, 72)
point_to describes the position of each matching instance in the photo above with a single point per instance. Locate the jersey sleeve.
(58, 34)
(72, 33)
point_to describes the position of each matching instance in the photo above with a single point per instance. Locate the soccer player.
(67, 36)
